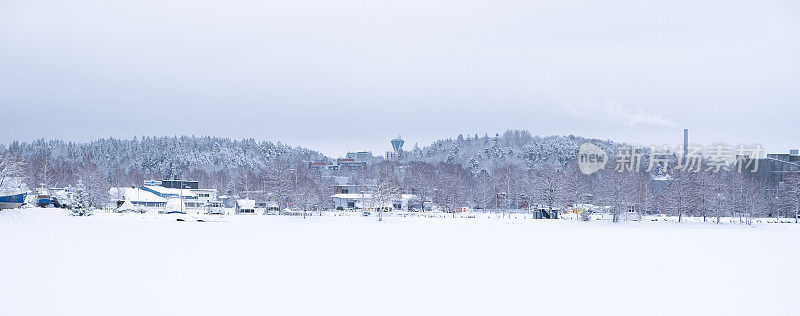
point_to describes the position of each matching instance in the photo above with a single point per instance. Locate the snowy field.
(54, 264)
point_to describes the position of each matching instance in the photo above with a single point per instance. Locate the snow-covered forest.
(516, 147)
(114, 162)
(225, 164)
(513, 170)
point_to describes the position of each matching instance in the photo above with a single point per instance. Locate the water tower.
(397, 144)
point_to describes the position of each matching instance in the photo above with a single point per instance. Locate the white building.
(269, 207)
(245, 206)
(138, 197)
(351, 201)
(207, 197)
(167, 193)
(156, 196)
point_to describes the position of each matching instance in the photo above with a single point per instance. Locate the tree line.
(517, 176)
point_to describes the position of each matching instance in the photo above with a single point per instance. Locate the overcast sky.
(350, 75)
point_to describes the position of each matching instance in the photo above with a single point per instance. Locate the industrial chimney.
(685, 143)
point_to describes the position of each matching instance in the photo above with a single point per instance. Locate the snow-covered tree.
(128, 162)
(507, 187)
(680, 194)
(451, 187)
(81, 204)
(94, 184)
(382, 188)
(616, 190)
(790, 194)
(10, 167)
(474, 166)
(549, 186)
(576, 186)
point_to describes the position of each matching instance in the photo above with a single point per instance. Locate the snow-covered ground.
(111, 264)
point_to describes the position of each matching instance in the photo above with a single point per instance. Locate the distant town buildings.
(774, 167)
(348, 188)
(359, 156)
(351, 164)
(353, 161)
(356, 161)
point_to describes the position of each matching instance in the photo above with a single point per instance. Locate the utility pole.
(294, 188)
(496, 203)
(305, 205)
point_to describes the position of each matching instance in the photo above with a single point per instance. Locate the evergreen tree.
(81, 204)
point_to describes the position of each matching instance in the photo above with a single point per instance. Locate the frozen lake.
(53, 264)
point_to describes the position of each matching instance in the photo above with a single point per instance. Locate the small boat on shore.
(12, 201)
(43, 197)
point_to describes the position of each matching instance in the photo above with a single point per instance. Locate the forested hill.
(218, 162)
(119, 161)
(512, 147)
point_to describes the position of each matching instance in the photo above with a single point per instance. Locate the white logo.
(591, 158)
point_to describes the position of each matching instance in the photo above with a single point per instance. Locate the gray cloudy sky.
(349, 75)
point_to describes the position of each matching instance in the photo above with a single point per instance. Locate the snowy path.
(52, 264)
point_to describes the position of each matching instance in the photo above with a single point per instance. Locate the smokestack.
(685, 143)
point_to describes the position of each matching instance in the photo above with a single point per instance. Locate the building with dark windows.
(773, 168)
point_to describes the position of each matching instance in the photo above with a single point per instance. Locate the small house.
(245, 206)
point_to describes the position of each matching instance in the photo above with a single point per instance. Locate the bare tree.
(791, 194)
(703, 186)
(617, 191)
(306, 198)
(644, 198)
(680, 193)
(420, 179)
(246, 181)
(382, 188)
(548, 185)
(508, 183)
(484, 189)
(451, 187)
(719, 197)
(576, 185)
(279, 179)
(95, 185)
(312, 192)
